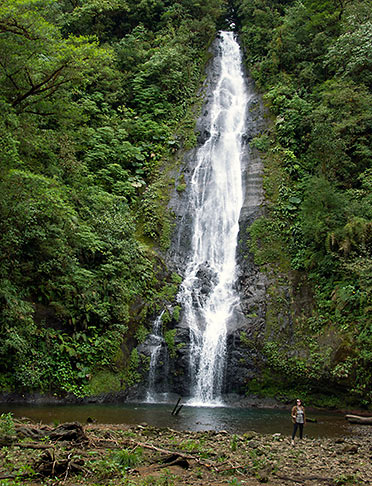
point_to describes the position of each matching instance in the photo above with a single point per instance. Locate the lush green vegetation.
(96, 98)
(312, 62)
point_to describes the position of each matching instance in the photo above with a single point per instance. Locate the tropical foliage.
(96, 100)
(93, 96)
(312, 61)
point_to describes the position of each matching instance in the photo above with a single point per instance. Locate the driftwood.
(172, 453)
(31, 431)
(175, 460)
(69, 431)
(177, 408)
(50, 464)
(175, 457)
(22, 445)
(357, 419)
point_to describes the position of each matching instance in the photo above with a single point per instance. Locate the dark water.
(234, 420)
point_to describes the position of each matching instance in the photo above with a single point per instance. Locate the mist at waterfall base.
(233, 420)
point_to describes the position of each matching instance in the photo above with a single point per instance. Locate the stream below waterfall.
(233, 420)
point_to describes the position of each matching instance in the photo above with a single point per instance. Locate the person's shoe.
(292, 442)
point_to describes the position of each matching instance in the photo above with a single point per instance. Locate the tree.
(351, 55)
(341, 123)
(38, 66)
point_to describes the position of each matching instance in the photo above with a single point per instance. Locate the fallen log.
(358, 419)
(69, 431)
(175, 460)
(33, 446)
(175, 407)
(31, 431)
(169, 452)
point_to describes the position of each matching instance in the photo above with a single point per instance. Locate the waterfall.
(207, 292)
(156, 341)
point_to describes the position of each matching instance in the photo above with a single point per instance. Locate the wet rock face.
(247, 325)
(203, 136)
(241, 367)
(206, 279)
(162, 366)
(177, 255)
(179, 376)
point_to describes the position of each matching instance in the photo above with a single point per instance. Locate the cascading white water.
(216, 198)
(156, 341)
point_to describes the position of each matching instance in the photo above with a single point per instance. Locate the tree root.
(49, 464)
(33, 446)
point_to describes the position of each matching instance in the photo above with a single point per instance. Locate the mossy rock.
(104, 382)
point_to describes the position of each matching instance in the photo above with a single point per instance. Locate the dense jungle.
(99, 100)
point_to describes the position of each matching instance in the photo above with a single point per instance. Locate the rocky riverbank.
(141, 455)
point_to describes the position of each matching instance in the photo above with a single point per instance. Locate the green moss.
(272, 385)
(262, 143)
(169, 338)
(141, 333)
(169, 291)
(132, 375)
(176, 313)
(181, 188)
(166, 317)
(177, 279)
(267, 244)
(249, 343)
(103, 382)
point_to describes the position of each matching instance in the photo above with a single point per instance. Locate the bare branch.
(40, 87)
(28, 75)
(13, 27)
(9, 76)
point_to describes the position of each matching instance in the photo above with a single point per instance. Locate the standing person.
(298, 419)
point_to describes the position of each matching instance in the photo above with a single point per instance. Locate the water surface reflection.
(234, 420)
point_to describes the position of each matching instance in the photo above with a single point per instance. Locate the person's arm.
(304, 417)
(294, 413)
